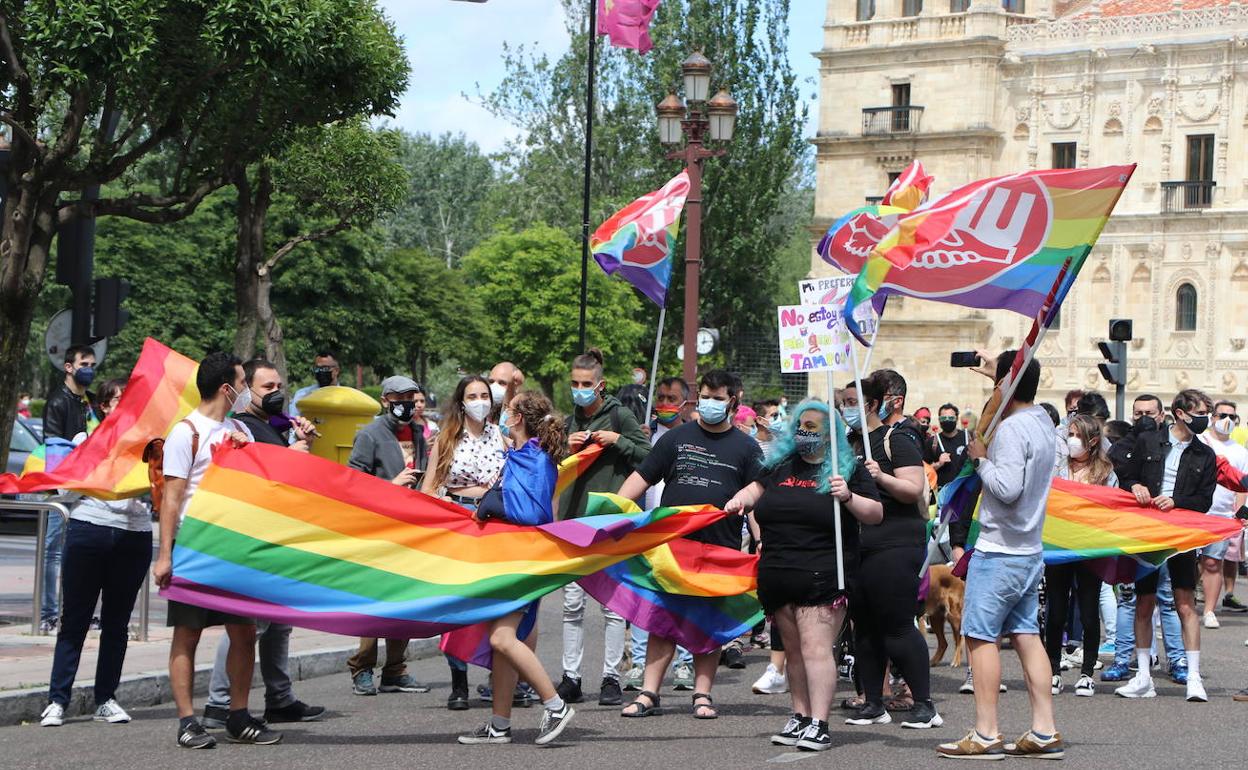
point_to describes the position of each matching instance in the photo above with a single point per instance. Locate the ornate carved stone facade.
(984, 92)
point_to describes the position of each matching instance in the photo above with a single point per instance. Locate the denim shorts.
(1215, 550)
(1002, 595)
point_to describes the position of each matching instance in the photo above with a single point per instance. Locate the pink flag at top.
(627, 22)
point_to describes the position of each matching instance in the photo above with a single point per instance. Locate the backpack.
(154, 456)
(923, 503)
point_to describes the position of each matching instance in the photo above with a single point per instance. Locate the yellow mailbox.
(338, 413)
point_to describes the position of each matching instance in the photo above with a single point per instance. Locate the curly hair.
(541, 422)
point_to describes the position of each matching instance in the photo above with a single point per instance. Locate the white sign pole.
(836, 503)
(654, 365)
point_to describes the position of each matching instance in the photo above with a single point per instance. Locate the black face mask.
(1145, 424)
(948, 423)
(1198, 424)
(403, 410)
(273, 403)
(324, 375)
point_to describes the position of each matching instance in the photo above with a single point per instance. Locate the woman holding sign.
(798, 582)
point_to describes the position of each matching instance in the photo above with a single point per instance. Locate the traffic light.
(1115, 368)
(109, 317)
(1120, 329)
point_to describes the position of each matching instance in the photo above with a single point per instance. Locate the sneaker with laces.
(870, 714)
(570, 689)
(53, 715)
(1231, 604)
(254, 732)
(634, 679)
(404, 683)
(1071, 660)
(362, 684)
(214, 717)
(610, 693)
(1140, 686)
(1106, 648)
(1211, 621)
(1030, 745)
(815, 737)
(792, 731)
(1196, 690)
(110, 711)
(486, 734)
(1118, 672)
(973, 746)
(194, 736)
(525, 696)
(1056, 684)
(772, 682)
(295, 712)
(1085, 687)
(923, 716)
(968, 684)
(1178, 673)
(682, 677)
(553, 723)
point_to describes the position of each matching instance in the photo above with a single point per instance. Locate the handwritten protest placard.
(833, 291)
(812, 339)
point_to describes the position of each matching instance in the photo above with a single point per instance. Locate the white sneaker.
(1085, 687)
(1071, 660)
(1057, 684)
(772, 682)
(110, 711)
(1140, 686)
(53, 715)
(1211, 621)
(1196, 690)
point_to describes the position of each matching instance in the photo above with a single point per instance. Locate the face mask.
(1224, 426)
(272, 403)
(584, 396)
(713, 412)
(403, 411)
(477, 410)
(885, 410)
(1077, 450)
(808, 442)
(324, 375)
(776, 424)
(1198, 423)
(241, 400)
(502, 423)
(852, 417)
(667, 415)
(949, 423)
(84, 376)
(1145, 424)
(639, 377)
(498, 392)
(753, 431)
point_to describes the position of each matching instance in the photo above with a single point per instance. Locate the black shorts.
(190, 616)
(1183, 571)
(778, 586)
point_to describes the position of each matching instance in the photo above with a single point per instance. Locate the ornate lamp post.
(699, 120)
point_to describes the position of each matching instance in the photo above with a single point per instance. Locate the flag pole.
(589, 143)
(833, 441)
(654, 364)
(862, 402)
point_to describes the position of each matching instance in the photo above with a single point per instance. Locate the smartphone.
(964, 358)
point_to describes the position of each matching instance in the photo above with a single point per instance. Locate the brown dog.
(944, 602)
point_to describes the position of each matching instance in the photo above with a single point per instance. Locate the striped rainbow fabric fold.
(573, 466)
(292, 538)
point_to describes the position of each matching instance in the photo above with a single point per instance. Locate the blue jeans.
(103, 563)
(53, 552)
(637, 638)
(1171, 629)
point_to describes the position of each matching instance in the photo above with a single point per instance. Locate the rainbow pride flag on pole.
(637, 240)
(109, 464)
(292, 538)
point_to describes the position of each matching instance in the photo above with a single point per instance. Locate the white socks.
(1193, 663)
(1144, 660)
(554, 704)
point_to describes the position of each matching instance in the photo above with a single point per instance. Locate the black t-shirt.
(699, 467)
(902, 525)
(956, 448)
(797, 522)
(260, 429)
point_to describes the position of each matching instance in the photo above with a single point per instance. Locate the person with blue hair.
(798, 581)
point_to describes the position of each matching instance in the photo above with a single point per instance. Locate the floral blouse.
(478, 460)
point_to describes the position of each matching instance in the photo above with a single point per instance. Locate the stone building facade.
(983, 90)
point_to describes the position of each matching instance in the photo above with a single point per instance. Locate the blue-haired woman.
(797, 567)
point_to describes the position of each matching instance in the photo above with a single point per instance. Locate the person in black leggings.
(891, 554)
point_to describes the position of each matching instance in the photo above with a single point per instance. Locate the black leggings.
(887, 601)
(1059, 579)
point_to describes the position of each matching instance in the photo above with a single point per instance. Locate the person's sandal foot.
(705, 710)
(642, 709)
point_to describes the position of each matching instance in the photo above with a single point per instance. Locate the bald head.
(502, 373)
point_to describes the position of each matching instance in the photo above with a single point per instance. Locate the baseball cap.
(398, 384)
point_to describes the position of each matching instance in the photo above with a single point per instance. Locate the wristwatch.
(975, 462)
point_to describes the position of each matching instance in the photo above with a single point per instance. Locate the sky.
(455, 46)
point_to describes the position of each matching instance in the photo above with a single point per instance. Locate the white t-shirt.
(1237, 456)
(178, 461)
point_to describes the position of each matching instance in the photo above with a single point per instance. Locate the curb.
(151, 688)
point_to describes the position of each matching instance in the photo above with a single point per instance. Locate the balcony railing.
(1179, 197)
(883, 121)
(874, 200)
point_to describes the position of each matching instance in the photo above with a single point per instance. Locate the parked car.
(25, 439)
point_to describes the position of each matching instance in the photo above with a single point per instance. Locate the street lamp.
(700, 119)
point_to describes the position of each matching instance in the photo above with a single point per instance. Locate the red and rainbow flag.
(297, 539)
(637, 240)
(160, 392)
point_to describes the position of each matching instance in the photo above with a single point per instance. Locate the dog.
(944, 602)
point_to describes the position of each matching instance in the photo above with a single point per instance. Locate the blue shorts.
(1002, 595)
(1215, 550)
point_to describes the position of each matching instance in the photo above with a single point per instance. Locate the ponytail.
(542, 423)
(552, 437)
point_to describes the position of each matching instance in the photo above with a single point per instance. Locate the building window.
(959, 6)
(1185, 308)
(901, 108)
(866, 10)
(911, 7)
(1014, 6)
(892, 177)
(1063, 154)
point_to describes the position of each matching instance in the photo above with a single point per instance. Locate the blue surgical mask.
(777, 423)
(84, 375)
(808, 442)
(713, 412)
(584, 396)
(502, 423)
(753, 431)
(852, 417)
(885, 410)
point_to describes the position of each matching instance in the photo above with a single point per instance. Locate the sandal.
(654, 708)
(708, 706)
(902, 699)
(854, 703)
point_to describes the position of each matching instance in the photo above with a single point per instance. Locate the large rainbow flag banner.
(160, 392)
(637, 240)
(297, 539)
(574, 466)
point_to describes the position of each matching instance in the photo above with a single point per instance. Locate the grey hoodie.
(1016, 475)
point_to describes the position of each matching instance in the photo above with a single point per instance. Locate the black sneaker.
(214, 717)
(194, 736)
(458, 699)
(295, 712)
(610, 693)
(1231, 604)
(792, 731)
(254, 732)
(570, 689)
(815, 737)
(732, 657)
(923, 716)
(553, 723)
(870, 714)
(525, 695)
(486, 734)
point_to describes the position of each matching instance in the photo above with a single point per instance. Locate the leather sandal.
(654, 709)
(710, 704)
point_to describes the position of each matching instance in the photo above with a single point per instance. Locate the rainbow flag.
(637, 240)
(48, 456)
(292, 538)
(109, 464)
(574, 466)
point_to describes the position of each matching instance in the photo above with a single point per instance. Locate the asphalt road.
(406, 731)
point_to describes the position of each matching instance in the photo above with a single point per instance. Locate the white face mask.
(1077, 450)
(498, 392)
(477, 410)
(241, 401)
(1224, 426)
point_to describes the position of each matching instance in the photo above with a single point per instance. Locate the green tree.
(195, 87)
(529, 283)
